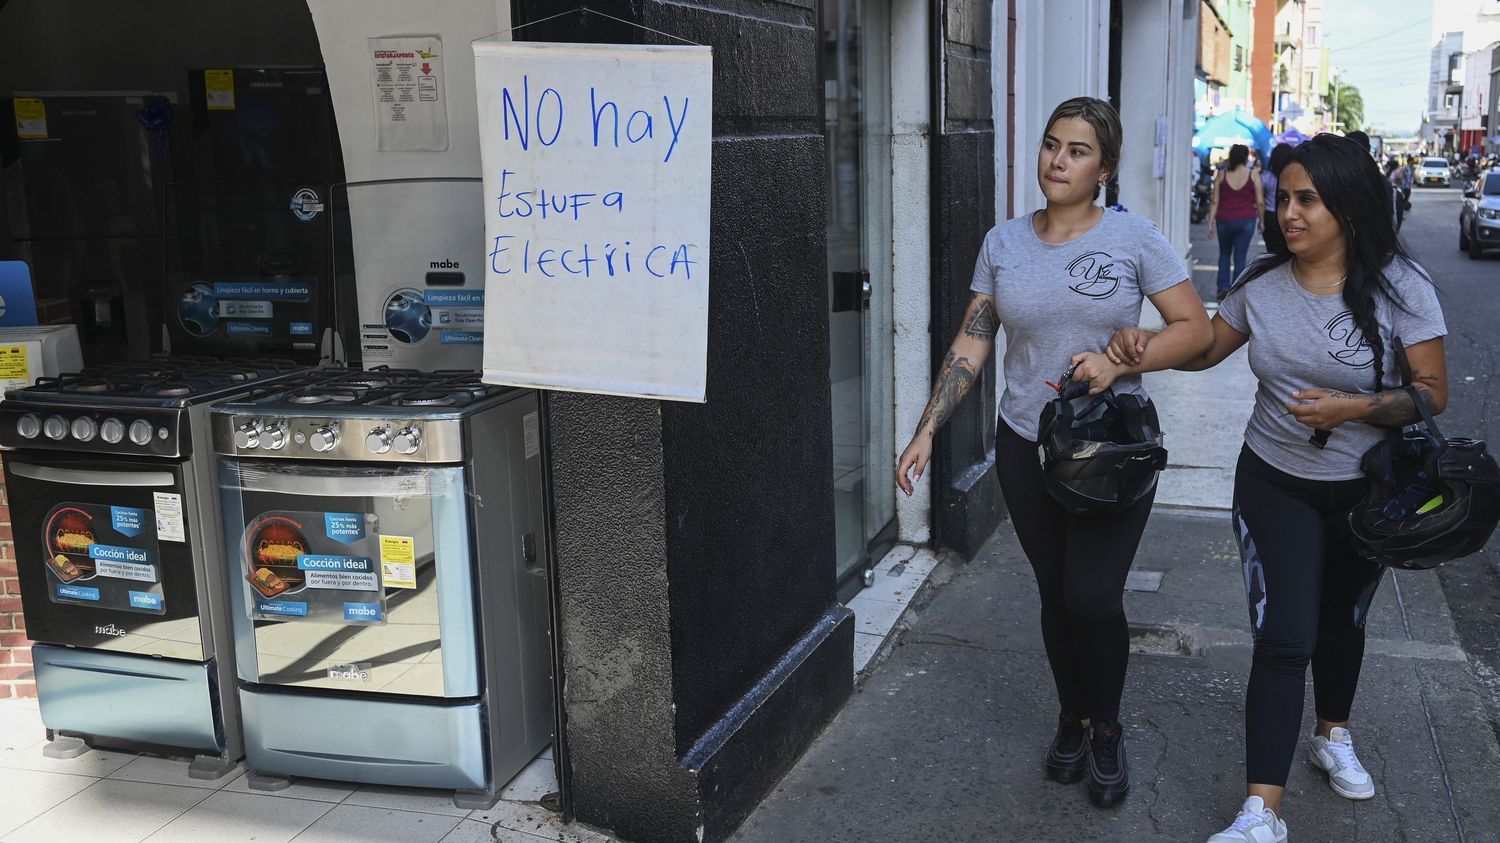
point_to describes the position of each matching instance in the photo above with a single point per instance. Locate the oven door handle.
(92, 478)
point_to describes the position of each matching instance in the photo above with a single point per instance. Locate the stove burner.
(91, 385)
(424, 398)
(172, 389)
(321, 395)
(162, 377)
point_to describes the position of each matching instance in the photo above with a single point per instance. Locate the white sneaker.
(1336, 758)
(1255, 824)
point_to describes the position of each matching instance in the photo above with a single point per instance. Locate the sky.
(1384, 48)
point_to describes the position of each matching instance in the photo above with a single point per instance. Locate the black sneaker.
(1109, 777)
(1067, 758)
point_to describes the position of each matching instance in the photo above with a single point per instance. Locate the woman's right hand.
(1127, 345)
(916, 455)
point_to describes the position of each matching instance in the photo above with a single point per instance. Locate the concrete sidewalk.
(944, 740)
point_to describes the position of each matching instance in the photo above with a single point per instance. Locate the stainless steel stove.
(384, 536)
(110, 477)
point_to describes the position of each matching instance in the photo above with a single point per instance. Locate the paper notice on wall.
(31, 119)
(169, 524)
(398, 562)
(218, 85)
(597, 164)
(406, 76)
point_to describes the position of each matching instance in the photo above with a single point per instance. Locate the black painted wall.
(702, 643)
(966, 497)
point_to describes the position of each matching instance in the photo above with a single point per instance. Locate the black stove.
(164, 380)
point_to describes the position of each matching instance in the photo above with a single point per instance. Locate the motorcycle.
(1203, 194)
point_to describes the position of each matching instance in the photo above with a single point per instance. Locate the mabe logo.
(447, 263)
(109, 630)
(348, 673)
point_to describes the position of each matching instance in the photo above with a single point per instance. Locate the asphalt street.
(1470, 294)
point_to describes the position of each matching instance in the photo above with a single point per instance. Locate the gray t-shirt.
(1057, 299)
(1301, 340)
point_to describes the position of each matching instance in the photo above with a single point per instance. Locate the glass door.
(856, 83)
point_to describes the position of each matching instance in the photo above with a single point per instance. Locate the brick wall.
(16, 678)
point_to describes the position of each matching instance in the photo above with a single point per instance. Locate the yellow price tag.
(398, 561)
(31, 118)
(13, 364)
(219, 85)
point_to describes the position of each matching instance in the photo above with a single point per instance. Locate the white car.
(1433, 171)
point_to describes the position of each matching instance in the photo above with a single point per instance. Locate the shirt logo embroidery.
(1093, 268)
(1350, 347)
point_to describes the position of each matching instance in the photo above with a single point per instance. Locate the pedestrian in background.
(1320, 319)
(1234, 214)
(1270, 229)
(1062, 280)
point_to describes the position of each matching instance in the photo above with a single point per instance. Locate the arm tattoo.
(1392, 408)
(953, 383)
(983, 321)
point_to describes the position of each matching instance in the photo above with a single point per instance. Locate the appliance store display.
(384, 533)
(418, 259)
(109, 473)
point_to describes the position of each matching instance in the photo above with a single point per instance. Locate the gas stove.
(384, 414)
(133, 407)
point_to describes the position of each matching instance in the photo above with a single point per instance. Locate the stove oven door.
(102, 553)
(352, 578)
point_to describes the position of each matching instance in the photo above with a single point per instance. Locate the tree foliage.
(1350, 108)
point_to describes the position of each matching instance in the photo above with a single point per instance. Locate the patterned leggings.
(1309, 593)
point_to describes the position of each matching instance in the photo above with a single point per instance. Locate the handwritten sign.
(596, 179)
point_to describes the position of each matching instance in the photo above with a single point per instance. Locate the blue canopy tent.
(1291, 136)
(1225, 130)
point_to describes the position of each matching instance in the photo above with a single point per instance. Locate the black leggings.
(1080, 563)
(1309, 593)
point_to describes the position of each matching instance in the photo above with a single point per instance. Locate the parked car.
(1434, 171)
(1479, 216)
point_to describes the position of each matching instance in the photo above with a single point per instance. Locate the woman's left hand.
(1096, 369)
(1324, 409)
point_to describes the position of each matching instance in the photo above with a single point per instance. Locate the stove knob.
(275, 436)
(408, 440)
(28, 426)
(140, 432)
(247, 436)
(378, 441)
(56, 427)
(324, 438)
(112, 431)
(84, 428)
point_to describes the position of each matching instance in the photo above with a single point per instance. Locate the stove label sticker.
(284, 608)
(78, 592)
(398, 561)
(302, 329)
(146, 600)
(127, 521)
(363, 612)
(247, 309)
(242, 329)
(346, 527)
(270, 290)
(170, 526)
(353, 573)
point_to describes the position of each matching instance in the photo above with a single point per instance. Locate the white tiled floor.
(102, 797)
(113, 796)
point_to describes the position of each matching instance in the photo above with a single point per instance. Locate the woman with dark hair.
(1320, 318)
(1270, 230)
(1234, 213)
(1062, 280)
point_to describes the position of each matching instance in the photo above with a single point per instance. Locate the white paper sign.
(596, 177)
(406, 77)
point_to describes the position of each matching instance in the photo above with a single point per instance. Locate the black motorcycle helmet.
(1431, 498)
(1103, 458)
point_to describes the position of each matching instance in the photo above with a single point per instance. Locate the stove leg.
(268, 782)
(210, 767)
(472, 799)
(65, 746)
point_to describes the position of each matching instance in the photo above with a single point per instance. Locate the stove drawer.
(129, 698)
